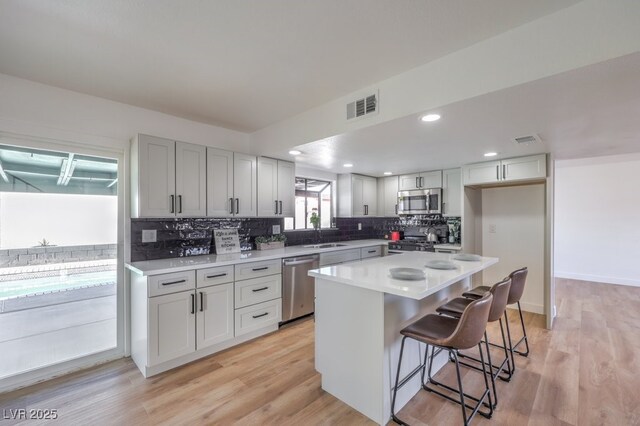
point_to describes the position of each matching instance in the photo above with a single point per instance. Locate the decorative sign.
(226, 241)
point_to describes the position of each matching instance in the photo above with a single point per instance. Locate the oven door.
(422, 201)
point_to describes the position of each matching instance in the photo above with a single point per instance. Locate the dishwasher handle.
(302, 261)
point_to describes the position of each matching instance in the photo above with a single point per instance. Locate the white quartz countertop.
(373, 274)
(163, 266)
(448, 246)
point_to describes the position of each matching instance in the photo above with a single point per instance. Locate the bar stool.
(450, 334)
(456, 307)
(518, 280)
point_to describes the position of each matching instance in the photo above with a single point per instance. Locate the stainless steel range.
(416, 238)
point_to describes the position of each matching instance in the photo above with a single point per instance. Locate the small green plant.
(263, 239)
(315, 219)
(44, 243)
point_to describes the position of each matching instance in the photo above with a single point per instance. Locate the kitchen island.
(359, 313)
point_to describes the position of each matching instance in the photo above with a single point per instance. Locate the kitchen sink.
(327, 245)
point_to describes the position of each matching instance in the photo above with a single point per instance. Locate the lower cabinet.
(172, 326)
(255, 317)
(214, 318)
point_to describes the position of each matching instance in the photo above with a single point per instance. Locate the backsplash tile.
(192, 236)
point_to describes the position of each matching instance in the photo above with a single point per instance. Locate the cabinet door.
(390, 194)
(245, 191)
(452, 192)
(370, 196)
(172, 326)
(157, 176)
(524, 168)
(409, 182)
(286, 188)
(191, 180)
(357, 196)
(431, 179)
(214, 319)
(219, 183)
(479, 173)
(267, 187)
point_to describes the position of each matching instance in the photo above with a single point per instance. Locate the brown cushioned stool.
(450, 334)
(518, 280)
(456, 307)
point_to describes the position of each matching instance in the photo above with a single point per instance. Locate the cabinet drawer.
(247, 271)
(256, 290)
(171, 283)
(342, 256)
(214, 276)
(367, 252)
(258, 316)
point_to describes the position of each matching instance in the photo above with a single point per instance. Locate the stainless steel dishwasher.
(298, 288)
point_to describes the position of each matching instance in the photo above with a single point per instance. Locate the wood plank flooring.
(584, 372)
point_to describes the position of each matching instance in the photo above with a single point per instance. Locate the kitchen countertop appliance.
(298, 288)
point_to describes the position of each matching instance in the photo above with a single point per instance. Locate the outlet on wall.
(149, 236)
(275, 229)
(359, 227)
(492, 229)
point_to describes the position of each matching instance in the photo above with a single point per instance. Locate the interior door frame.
(115, 150)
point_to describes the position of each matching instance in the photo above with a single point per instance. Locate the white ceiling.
(241, 64)
(586, 112)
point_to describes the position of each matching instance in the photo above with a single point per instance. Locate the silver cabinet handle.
(261, 315)
(224, 274)
(280, 206)
(276, 207)
(173, 208)
(237, 205)
(255, 290)
(201, 302)
(230, 205)
(179, 203)
(174, 282)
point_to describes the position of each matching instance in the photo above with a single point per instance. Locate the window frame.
(312, 194)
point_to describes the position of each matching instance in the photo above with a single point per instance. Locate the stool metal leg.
(395, 388)
(524, 335)
(511, 351)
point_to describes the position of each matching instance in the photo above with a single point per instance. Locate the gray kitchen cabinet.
(220, 199)
(245, 189)
(388, 196)
(357, 195)
(276, 187)
(422, 180)
(532, 167)
(168, 178)
(452, 192)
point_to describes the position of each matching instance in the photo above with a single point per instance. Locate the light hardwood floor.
(586, 371)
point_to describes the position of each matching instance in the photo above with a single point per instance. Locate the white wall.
(35, 109)
(597, 217)
(518, 215)
(62, 219)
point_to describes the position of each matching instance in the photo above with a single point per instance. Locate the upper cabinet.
(168, 178)
(276, 187)
(452, 192)
(245, 189)
(357, 195)
(423, 180)
(388, 196)
(231, 184)
(511, 170)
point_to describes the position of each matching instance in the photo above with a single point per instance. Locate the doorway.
(60, 266)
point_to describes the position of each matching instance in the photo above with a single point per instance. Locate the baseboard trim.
(598, 279)
(529, 307)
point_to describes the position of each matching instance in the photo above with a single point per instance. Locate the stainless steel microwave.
(420, 201)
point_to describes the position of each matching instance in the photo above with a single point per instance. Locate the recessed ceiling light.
(388, 173)
(490, 154)
(431, 117)
(295, 152)
(348, 165)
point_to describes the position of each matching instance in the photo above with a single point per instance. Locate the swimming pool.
(55, 283)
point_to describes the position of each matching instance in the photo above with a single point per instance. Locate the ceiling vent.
(527, 140)
(361, 107)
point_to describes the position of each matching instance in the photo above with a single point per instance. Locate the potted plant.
(315, 219)
(268, 242)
